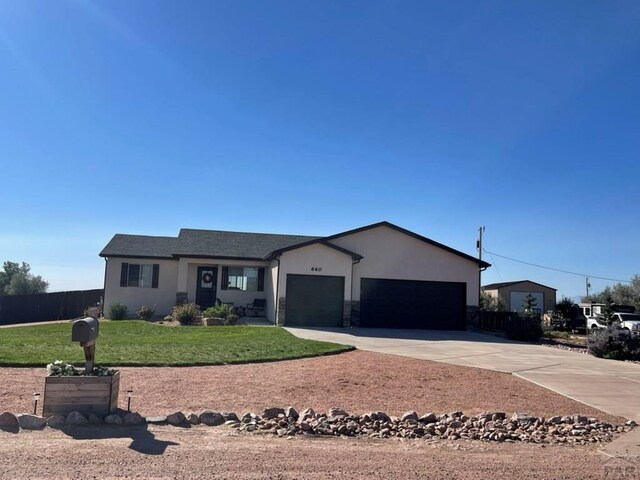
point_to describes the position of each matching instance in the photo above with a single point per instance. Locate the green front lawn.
(134, 342)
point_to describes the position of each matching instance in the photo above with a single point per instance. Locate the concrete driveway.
(611, 386)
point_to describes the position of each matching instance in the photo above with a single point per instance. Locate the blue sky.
(316, 117)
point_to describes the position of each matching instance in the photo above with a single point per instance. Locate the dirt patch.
(218, 453)
(357, 381)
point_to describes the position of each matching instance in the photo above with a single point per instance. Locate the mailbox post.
(82, 393)
(85, 330)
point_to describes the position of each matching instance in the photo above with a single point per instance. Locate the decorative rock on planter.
(84, 394)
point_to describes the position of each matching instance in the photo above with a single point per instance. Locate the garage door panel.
(386, 303)
(314, 301)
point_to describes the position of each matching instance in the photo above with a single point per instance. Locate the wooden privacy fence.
(495, 320)
(43, 307)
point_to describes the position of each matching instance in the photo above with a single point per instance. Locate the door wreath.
(207, 278)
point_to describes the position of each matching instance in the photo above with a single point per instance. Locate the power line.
(556, 269)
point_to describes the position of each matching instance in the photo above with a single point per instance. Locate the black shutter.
(224, 282)
(261, 279)
(156, 274)
(124, 274)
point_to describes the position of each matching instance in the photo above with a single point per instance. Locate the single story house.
(380, 275)
(511, 294)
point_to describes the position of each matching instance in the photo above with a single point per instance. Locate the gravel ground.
(357, 381)
(218, 453)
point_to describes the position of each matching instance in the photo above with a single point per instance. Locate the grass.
(572, 337)
(138, 343)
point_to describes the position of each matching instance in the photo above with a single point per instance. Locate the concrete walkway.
(608, 385)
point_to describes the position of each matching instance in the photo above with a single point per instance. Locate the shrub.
(525, 328)
(224, 311)
(614, 343)
(186, 314)
(117, 311)
(145, 312)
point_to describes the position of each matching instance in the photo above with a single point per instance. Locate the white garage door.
(516, 299)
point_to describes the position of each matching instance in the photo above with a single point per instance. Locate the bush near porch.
(138, 343)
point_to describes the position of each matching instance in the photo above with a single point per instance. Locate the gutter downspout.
(277, 302)
(104, 286)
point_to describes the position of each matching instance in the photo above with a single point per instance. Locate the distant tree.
(17, 279)
(566, 308)
(529, 304)
(619, 294)
(490, 303)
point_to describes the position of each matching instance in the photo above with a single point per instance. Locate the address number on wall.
(316, 269)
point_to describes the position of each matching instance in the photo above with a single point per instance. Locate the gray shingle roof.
(201, 243)
(122, 245)
(233, 244)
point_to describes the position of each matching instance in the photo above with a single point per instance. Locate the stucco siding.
(162, 297)
(391, 254)
(317, 260)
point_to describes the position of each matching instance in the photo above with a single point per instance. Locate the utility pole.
(586, 280)
(479, 247)
(479, 242)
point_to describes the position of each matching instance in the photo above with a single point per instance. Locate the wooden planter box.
(84, 394)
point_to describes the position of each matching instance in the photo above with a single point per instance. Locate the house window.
(248, 279)
(139, 275)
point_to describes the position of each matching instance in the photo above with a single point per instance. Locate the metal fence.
(43, 307)
(495, 320)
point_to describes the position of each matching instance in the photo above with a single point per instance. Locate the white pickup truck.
(628, 321)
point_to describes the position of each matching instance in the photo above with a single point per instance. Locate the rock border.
(287, 422)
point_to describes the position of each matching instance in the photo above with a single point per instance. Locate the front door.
(206, 286)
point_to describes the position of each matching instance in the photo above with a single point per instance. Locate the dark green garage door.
(388, 303)
(314, 301)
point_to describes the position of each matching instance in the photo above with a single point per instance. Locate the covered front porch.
(244, 284)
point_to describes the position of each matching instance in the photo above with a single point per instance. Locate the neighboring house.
(512, 294)
(379, 275)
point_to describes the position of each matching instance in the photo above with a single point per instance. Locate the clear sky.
(315, 117)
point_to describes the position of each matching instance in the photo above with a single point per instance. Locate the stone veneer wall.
(473, 316)
(282, 303)
(355, 313)
(181, 298)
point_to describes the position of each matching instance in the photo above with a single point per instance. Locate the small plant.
(614, 343)
(117, 311)
(224, 311)
(145, 312)
(186, 314)
(64, 369)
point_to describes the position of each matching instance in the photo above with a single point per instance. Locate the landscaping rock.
(337, 412)
(31, 422)
(9, 422)
(291, 412)
(76, 418)
(56, 421)
(410, 416)
(193, 419)
(156, 420)
(94, 419)
(230, 416)
(428, 418)
(212, 419)
(176, 419)
(271, 413)
(133, 418)
(113, 419)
